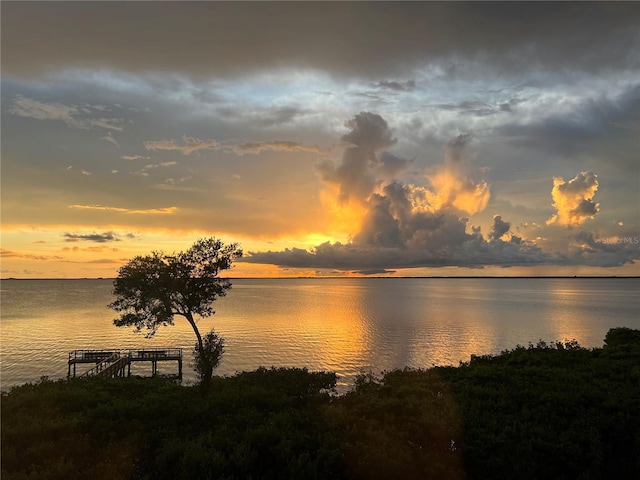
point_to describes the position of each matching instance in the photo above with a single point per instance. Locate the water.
(343, 325)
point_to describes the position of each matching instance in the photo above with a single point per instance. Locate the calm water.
(343, 325)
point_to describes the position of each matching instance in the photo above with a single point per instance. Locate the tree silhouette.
(151, 290)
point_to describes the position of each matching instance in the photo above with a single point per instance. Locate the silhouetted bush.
(552, 410)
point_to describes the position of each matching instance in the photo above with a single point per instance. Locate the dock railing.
(103, 365)
(112, 362)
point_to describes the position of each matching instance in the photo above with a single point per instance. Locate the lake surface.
(343, 325)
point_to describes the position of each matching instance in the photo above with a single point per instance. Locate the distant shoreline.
(375, 277)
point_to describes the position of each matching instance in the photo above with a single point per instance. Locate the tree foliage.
(209, 357)
(528, 413)
(151, 290)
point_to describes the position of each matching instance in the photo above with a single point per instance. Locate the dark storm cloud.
(345, 38)
(473, 252)
(358, 174)
(411, 226)
(390, 165)
(374, 271)
(604, 121)
(500, 227)
(405, 225)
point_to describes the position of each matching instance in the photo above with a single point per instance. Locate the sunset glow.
(430, 147)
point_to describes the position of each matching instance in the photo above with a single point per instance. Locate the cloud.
(109, 138)
(103, 260)
(134, 157)
(28, 256)
(30, 108)
(500, 227)
(405, 225)
(373, 271)
(72, 115)
(256, 148)
(604, 253)
(94, 237)
(472, 252)
(397, 85)
(190, 145)
(100, 248)
(580, 118)
(148, 211)
(452, 183)
(235, 41)
(476, 108)
(573, 200)
(357, 175)
(144, 171)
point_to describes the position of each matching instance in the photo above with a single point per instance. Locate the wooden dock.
(117, 363)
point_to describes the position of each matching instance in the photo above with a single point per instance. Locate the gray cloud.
(607, 122)
(109, 138)
(230, 37)
(406, 225)
(357, 174)
(473, 252)
(73, 116)
(475, 108)
(538, 90)
(134, 157)
(93, 237)
(397, 85)
(189, 145)
(500, 227)
(260, 116)
(29, 256)
(605, 253)
(255, 148)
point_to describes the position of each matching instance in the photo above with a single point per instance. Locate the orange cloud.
(574, 199)
(149, 211)
(29, 256)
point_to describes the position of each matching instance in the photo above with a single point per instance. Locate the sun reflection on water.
(344, 325)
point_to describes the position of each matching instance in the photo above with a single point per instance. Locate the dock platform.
(117, 363)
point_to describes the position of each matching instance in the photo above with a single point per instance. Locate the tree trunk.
(208, 369)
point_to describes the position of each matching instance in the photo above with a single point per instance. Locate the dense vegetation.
(542, 411)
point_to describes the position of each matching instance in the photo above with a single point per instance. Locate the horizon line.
(330, 277)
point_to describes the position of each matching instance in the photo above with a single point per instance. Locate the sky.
(326, 138)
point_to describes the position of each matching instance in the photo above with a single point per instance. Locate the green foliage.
(151, 290)
(207, 359)
(551, 410)
(622, 337)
